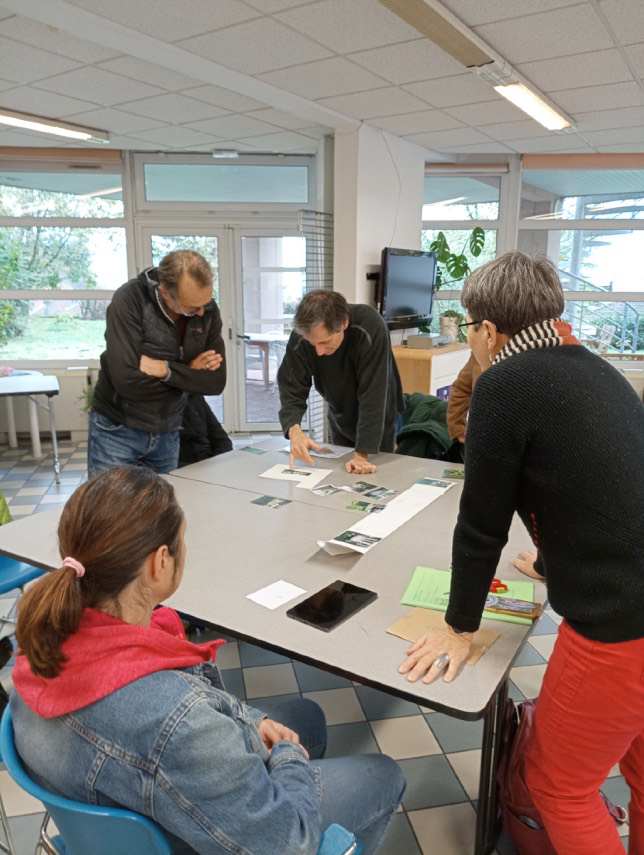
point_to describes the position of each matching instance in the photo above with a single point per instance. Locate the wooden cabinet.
(431, 370)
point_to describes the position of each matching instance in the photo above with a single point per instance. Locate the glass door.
(158, 242)
(271, 273)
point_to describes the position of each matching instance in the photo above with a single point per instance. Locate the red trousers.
(589, 716)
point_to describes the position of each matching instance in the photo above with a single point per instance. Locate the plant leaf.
(457, 266)
(477, 241)
(440, 247)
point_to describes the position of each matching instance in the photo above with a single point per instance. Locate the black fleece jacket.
(359, 382)
(138, 326)
(557, 435)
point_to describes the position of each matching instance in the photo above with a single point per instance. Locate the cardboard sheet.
(418, 621)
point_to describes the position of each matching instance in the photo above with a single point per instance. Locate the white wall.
(378, 199)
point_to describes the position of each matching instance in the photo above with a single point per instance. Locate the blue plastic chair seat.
(16, 574)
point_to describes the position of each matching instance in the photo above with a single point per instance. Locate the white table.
(29, 385)
(235, 548)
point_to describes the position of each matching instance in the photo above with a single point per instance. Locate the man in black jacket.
(164, 341)
(345, 349)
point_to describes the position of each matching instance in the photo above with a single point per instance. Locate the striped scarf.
(550, 333)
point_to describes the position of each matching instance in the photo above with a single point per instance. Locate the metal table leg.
(54, 440)
(11, 424)
(486, 817)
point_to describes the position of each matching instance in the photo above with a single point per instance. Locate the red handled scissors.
(497, 586)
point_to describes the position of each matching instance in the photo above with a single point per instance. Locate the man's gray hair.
(184, 262)
(514, 291)
(321, 307)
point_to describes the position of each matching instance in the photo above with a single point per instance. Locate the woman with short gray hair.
(557, 435)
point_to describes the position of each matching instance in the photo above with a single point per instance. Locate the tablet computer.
(332, 605)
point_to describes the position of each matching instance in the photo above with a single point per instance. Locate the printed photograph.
(358, 505)
(375, 509)
(434, 482)
(270, 501)
(359, 487)
(299, 472)
(454, 473)
(325, 490)
(252, 449)
(354, 538)
(380, 493)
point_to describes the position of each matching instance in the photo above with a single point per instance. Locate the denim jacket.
(176, 747)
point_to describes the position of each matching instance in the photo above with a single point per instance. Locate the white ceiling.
(276, 75)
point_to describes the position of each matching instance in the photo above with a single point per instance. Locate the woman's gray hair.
(321, 307)
(514, 291)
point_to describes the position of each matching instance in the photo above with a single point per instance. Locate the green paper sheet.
(429, 589)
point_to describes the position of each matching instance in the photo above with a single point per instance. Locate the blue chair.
(105, 830)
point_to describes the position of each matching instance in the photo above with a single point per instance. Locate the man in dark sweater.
(164, 341)
(345, 350)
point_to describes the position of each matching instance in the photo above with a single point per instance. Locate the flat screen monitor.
(407, 280)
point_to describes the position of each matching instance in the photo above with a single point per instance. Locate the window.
(461, 197)
(61, 231)
(590, 222)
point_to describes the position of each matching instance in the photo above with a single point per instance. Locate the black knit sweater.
(557, 435)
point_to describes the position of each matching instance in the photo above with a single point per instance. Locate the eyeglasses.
(179, 309)
(463, 326)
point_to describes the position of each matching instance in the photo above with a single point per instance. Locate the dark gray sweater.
(557, 435)
(359, 382)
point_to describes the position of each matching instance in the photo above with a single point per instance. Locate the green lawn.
(57, 338)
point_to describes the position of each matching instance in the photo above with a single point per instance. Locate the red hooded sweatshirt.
(106, 654)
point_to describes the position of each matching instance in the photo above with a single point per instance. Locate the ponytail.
(48, 613)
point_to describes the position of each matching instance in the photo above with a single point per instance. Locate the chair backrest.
(85, 828)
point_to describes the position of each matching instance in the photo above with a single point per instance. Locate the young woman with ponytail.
(113, 705)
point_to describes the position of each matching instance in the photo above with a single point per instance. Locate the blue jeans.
(111, 444)
(360, 792)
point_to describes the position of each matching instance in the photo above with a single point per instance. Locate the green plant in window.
(454, 264)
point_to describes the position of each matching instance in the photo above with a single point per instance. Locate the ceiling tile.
(6, 84)
(24, 64)
(629, 148)
(285, 141)
(482, 148)
(55, 41)
(601, 120)
(497, 110)
(626, 17)
(582, 69)
(174, 108)
(327, 77)
(408, 62)
(31, 100)
(283, 120)
(456, 137)
(256, 46)
(540, 36)
(346, 27)
(176, 137)
(374, 103)
(464, 88)
(613, 95)
(473, 12)
(511, 130)
(553, 143)
(234, 126)
(417, 123)
(170, 21)
(133, 144)
(636, 55)
(269, 7)
(224, 98)
(146, 72)
(115, 121)
(94, 84)
(615, 136)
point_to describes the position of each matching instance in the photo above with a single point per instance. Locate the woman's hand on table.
(273, 732)
(422, 656)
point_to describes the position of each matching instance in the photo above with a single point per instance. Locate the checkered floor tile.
(439, 755)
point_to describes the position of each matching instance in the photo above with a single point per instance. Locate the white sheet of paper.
(397, 512)
(303, 476)
(276, 594)
(335, 451)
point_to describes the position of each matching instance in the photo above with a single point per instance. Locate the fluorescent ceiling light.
(51, 126)
(225, 153)
(533, 105)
